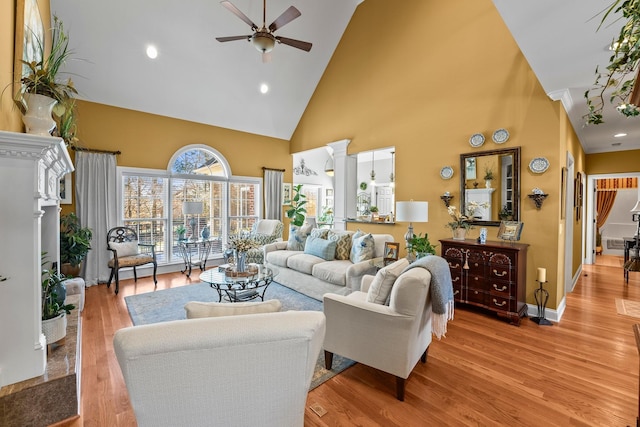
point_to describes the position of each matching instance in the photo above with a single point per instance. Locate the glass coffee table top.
(235, 286)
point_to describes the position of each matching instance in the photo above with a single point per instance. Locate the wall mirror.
(375, 180)
(491, 179)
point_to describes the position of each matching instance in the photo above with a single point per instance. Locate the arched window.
(196, 197)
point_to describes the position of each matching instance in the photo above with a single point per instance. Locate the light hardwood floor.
(581, 372)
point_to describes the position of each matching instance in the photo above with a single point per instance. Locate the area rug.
(168, 304)
(628, 307)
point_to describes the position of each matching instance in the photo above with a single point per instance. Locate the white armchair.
(264, 231)
(247, 370)
(390, 338)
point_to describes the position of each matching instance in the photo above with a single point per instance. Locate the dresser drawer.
(501, 288)
(501, 304)
(477, 296)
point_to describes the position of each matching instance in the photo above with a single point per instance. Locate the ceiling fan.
(263, 38)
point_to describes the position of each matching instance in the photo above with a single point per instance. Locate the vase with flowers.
(460, 224)
(241, 244)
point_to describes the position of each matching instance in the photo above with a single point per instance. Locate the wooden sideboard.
(490, 275)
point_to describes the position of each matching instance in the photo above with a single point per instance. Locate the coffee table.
(238, 289)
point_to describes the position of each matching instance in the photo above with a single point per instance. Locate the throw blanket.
(441, 289)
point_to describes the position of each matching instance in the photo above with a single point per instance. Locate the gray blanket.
(441, 287)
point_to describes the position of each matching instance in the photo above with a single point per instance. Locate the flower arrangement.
(473, 206)
(459, 220)
(488, 173)
(241, 243)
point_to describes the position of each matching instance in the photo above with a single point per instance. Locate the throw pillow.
(125, 248)
(343, 243)
(196, 309)
(362, 248)
(325, 249)
(262, 239)
(321, 233)
(380, 287)
(298, 237)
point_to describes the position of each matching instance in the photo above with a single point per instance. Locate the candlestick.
(542, 296)
(542, 275)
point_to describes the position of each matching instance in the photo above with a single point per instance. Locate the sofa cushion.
(332, 271)
(298, 237)
(125, 248)
(381, 285)
(362, 248)
(279, 258)
(378, 246)
(325, 249)
(303, 262)
(322, 233)
(343, 243)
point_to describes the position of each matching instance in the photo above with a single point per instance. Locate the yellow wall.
(614, 162)
(449, 70)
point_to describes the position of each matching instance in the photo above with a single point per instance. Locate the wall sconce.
(446, 198)
(538, 197)
(373, 172)
(392, 177)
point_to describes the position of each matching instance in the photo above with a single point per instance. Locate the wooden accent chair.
(128, 252)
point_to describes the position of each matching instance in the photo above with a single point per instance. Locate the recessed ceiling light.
(152, 52)
(264, 88)
(619, 135)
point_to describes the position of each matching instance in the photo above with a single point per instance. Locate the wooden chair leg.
(155, 268)
(117, 281)
(328, 360)
(400, 388)
(135, 275)
(110, 279)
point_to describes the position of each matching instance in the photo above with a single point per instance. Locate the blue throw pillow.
(298, 237)
(325, 249)
(362, 248)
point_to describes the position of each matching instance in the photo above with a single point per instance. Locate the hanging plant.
(621, 73)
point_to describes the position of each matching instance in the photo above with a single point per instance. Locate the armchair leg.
(155, 269)
(400, 388)
(110, 279)
(423, 358)
(117, 281)
(135, 275)
(328, 360)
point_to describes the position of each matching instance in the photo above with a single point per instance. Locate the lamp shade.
(412, 211)
(636, 208)
(192, 208)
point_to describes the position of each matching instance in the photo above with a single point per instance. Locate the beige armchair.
(387, 337)
(247, 370)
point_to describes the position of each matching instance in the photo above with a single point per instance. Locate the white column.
(344, 195)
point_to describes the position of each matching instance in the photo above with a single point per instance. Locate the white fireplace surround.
(30, 171)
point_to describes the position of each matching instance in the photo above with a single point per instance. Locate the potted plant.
(75, 243)
(54, 310)
(181, 231)
(505, 214)
(43, 91)
(420, 246)
(374, 213)
(598, 242)
(297, 211)
(488, 176)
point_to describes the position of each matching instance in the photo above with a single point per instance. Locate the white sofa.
(313, 276)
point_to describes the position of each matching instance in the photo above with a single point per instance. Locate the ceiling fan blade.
(295, 43)
(239, 14)
(286, 17)
(232, 38)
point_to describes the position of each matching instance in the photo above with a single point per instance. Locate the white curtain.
(96, 206)
(273, 194)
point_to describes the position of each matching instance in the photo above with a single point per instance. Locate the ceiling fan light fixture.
(263, 41)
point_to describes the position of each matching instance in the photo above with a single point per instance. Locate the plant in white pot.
(44, 92)
(54, 310)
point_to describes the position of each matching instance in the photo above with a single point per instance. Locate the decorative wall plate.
(476, 140)
(500, 136)
(539, 165)
(446, 172)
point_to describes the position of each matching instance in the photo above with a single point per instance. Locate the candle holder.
(542, 296)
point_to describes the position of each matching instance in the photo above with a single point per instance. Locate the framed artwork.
(563, 196)
(577, 195)
(391, 250)
(65, 190)
(29, 29)
(470, 168)
(286, 193)
(510, 230)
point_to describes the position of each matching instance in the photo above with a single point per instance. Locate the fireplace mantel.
(30, 170)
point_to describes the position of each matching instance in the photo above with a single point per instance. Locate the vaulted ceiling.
(199, 79)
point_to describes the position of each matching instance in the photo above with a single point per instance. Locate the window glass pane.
(243, 206)
(197, 162)
(311, 191)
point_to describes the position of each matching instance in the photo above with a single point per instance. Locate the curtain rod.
(95, 150)
(271, 169)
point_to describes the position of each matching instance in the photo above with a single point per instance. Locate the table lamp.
(193, 209)
(411, 212)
